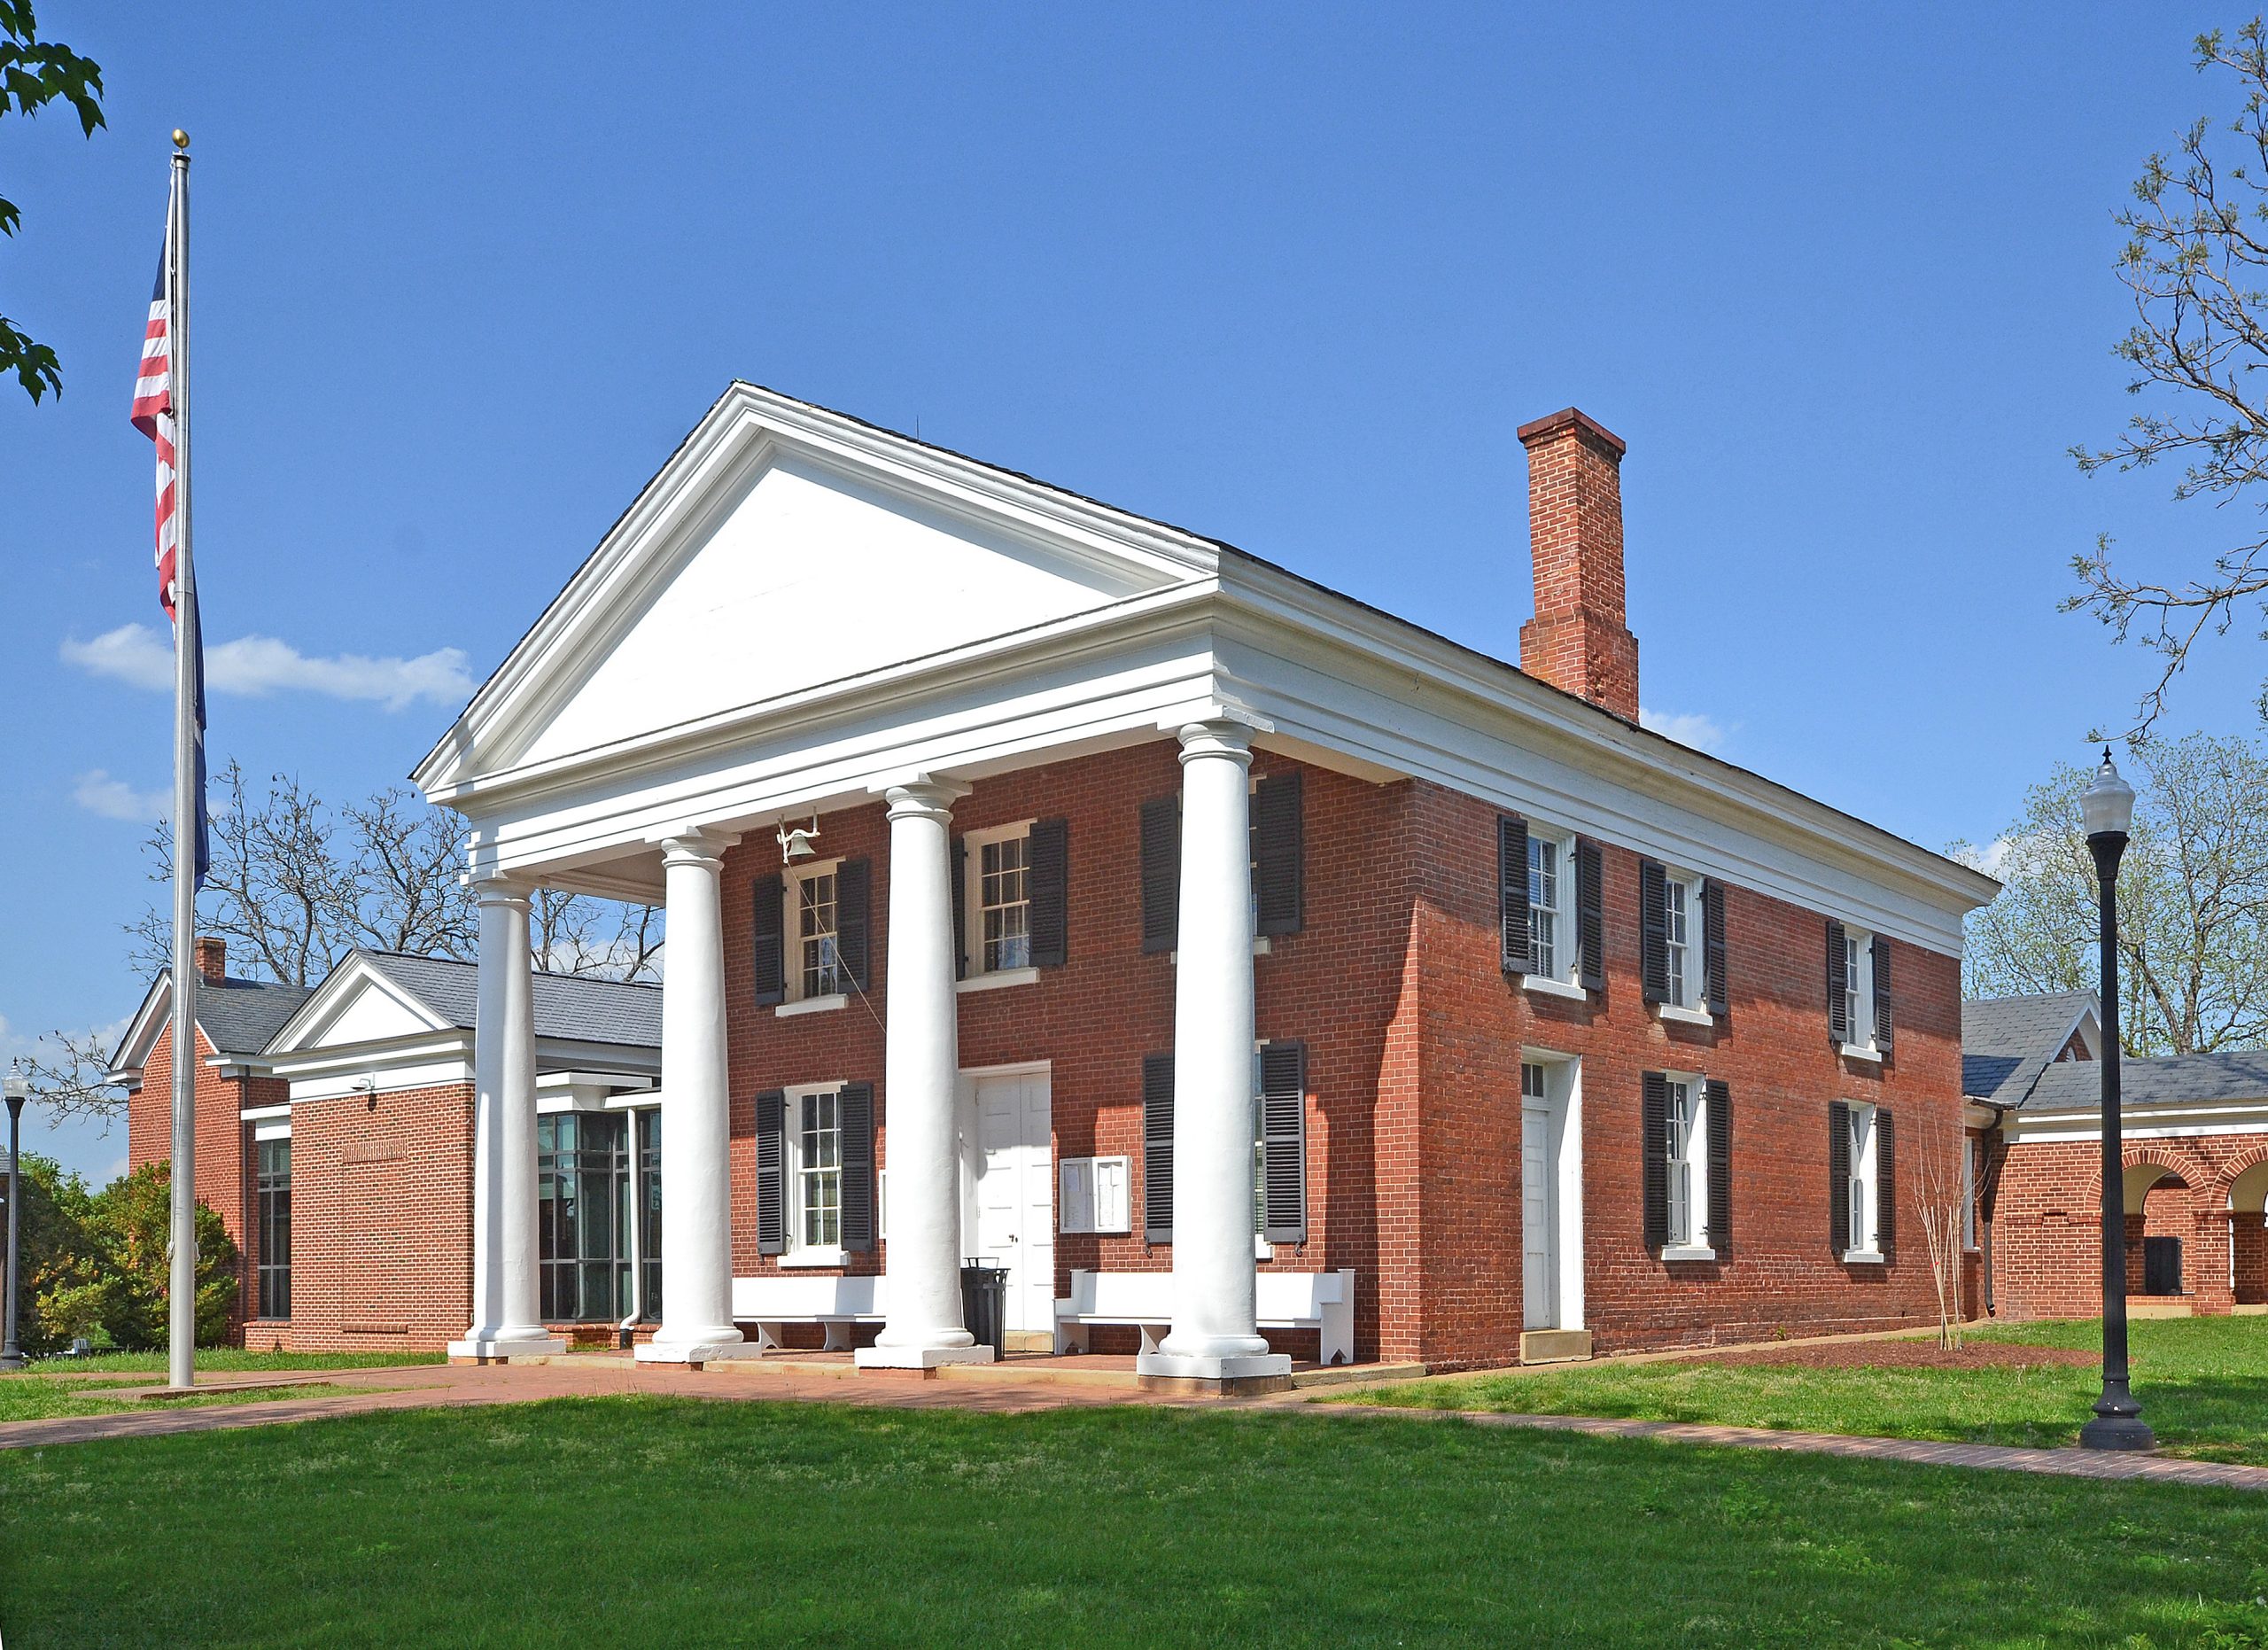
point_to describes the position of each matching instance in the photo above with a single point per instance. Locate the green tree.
(2193, 898)
(33, 72)
(58, 1266)
(128, 1222)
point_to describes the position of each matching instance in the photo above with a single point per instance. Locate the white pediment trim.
(352, 986)
(748, 431)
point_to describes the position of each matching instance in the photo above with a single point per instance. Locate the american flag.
(153, 416)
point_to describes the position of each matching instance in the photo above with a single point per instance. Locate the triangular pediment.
(785, 549)
(357, 1005)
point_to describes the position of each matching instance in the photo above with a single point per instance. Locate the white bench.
(777, 1299)
(1322, 1301)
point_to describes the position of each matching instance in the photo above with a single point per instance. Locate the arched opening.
(2248, 1234)
(2158, 1226)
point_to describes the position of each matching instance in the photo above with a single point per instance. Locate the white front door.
(1539, 1218)
(1011, 1172)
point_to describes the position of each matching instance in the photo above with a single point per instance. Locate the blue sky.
(1290, 278)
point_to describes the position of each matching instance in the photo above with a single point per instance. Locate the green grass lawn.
(33, 1397)
(647, 1520)
(230, 1360)
(2202, 1381)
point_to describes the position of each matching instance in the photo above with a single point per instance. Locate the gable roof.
(2008, 1042)
(2167, 1080)
(238, 1018)
(576, 1007)
(490, 762)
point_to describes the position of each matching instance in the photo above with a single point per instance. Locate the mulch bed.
(1908, 1355)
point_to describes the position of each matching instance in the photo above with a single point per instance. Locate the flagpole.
(180, 1304)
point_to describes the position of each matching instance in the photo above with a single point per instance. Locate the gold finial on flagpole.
(180, 138)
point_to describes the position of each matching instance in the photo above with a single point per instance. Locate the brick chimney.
(1580, 639)
(211, 957)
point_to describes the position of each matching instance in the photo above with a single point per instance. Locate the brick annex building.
(1248, 971)
(2195, 1136)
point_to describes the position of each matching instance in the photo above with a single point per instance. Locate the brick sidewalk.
(437, 1386)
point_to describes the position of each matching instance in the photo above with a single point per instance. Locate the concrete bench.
(777, 1299)
(1322, 1301)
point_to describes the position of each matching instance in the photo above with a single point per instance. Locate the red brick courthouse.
(1249, 972)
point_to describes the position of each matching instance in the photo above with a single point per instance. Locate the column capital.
(501, 891)
(924, 798)
(1230, 739)
(694, 844)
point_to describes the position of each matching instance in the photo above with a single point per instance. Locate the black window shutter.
(768, 913)
(1160, 874)
(961, 907)
(1712, 943)
(1653, 931)
(854, 915)
(1283, 1143)
(1718, 1097)
(1838, 1177)
(1157, 1148)
(1590, 924)
(856, 1115)
(1278, 853)
(771, 1172)
(1882, 1017)
(1048, 887)
(1511, 890)
(1653, 1117)
(1838, 983)
(1885, 1184)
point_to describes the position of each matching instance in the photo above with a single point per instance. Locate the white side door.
(1015, 1194)
(1538, 1220)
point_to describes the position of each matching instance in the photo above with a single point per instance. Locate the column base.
(489, 1349)
(695, 1354)
(1214, 1375)
(919, 1356)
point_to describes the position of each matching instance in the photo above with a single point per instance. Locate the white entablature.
(802, 609)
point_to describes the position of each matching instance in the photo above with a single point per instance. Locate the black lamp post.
(2108, 808)
(16, 1090)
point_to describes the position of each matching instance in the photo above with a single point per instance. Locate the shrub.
(129, 1222)
(59, 1268)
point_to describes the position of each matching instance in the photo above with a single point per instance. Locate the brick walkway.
(1010, 1391)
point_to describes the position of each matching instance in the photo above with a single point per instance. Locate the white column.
(1214, 1337)
(696, 1324)
(505, 1319)
(920, 1088)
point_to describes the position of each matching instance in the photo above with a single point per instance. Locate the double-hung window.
(1866, 1178)
(815, 1174)
(815, 965)
(1004, 903)
(1548, 948)
(1677, 936)
(1857, 999)
(1687, 1151)
(273, 1192)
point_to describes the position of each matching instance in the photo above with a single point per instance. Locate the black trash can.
(984, 1303)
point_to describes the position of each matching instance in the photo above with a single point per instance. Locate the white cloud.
(1991, 859)
(258, 665)
(114, 799)
(1703, 733)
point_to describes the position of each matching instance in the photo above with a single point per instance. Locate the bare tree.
(2196, 262)
(67, 1072)
(2192, 900)
(1934, 1167)
(296, 884)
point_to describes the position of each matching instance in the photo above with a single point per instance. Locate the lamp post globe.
(2107, 811)
(15, 1089)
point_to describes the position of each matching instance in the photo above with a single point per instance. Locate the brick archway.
(2245, 1202)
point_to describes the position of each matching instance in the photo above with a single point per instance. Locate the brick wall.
(2047, 1229)
(1414, 1038)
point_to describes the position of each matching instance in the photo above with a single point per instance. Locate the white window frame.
(791, 920)
(1564, 978)
(1696, 1244)
(798, 1253)
(973, 845)
(1866, 1183)
(1859, 994)
(1563, 1079)
(1689, 999)
(1095, 1194)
